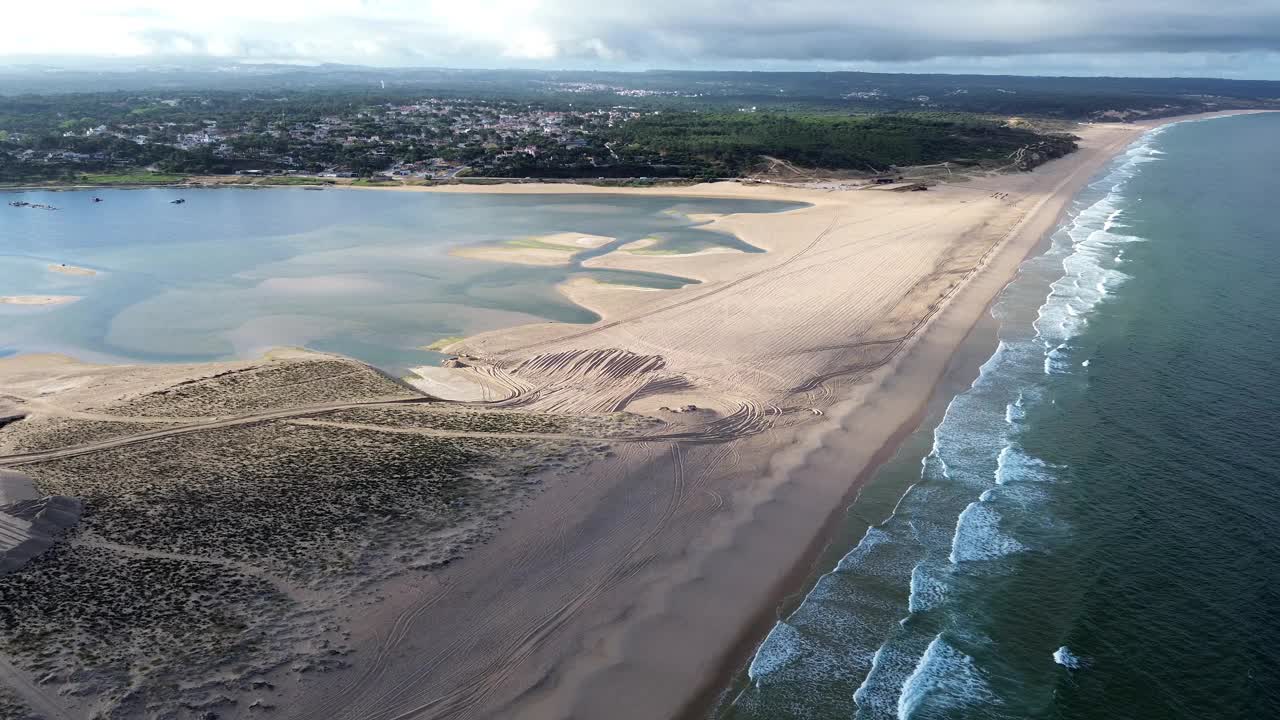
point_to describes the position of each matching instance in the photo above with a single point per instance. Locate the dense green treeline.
(731, 144)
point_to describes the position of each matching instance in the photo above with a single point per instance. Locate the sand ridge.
(553, 249)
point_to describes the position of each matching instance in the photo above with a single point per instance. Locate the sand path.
(280, 584)
(184, 427)
(32, 694)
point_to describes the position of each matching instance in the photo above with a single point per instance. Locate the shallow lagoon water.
(232, 271)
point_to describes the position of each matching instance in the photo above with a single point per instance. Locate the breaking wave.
(878, 624)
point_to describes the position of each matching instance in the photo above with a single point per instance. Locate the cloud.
(668, 33)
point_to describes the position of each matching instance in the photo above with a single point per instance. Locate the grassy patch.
(442, 343)
(133, 178)
(277, 180)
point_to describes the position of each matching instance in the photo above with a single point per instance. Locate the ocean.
(232, 272)
(1091, 529)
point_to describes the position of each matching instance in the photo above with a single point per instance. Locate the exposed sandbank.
(37, 299)
(554, 249)
(70, 269)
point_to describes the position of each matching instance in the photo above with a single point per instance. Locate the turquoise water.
(232, 272)
(1092, 529)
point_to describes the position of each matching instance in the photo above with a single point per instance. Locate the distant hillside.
(1061, 97)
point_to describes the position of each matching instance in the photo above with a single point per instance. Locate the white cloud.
(670, 33)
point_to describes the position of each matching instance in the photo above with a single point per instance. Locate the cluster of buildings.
(430, 138)
(582, 88)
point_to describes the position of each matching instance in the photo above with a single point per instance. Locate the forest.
(731, 144)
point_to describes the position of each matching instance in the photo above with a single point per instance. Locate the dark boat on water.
(179, 201)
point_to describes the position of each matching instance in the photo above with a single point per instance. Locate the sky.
(1208, 38)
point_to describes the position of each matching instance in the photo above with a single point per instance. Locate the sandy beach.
(807, 361)
(66, 269)
(635, 585)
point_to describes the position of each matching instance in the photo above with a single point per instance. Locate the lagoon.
(232, 272)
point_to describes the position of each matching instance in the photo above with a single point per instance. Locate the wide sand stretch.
(623, 592)
(630, 586)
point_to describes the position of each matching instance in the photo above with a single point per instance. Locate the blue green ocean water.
(1091, 530)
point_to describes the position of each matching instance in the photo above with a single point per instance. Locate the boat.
(179, 201)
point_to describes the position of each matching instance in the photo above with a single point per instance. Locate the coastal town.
(302, 137)
(429, 138)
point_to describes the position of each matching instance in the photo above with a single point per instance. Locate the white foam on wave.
(1064, 657)
(927, 592)
(1089, 262)
(1056, 361)
(978, 536)
(780, 646)
(966, 444)
(944, 676)
(860, 695)
(857, 557)
(1015, 465)
(1014, 412)
(993, 363)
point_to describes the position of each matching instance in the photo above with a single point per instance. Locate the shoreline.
(739, 565)
(806, 570)
(768, 539)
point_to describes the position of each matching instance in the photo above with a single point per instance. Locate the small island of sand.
(37, 299)
(66, 269)
(554, 249)
(653, 246)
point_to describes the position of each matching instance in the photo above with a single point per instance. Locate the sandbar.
(66, 269)
(37, 299)
(552, 249)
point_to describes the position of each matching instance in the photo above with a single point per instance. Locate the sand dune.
(30, 527)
